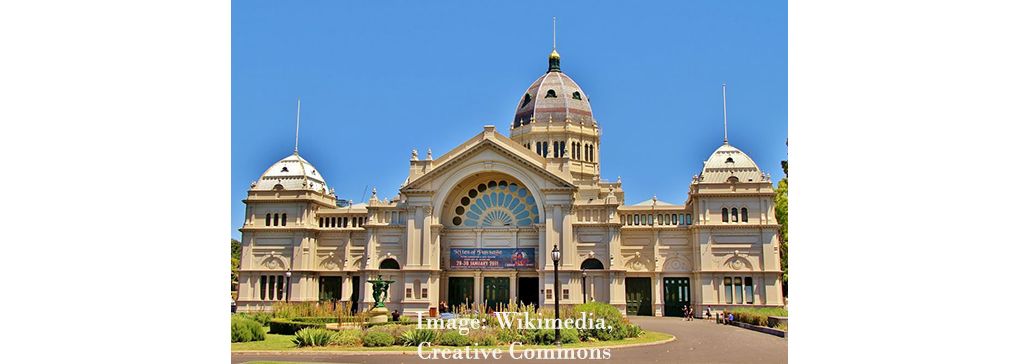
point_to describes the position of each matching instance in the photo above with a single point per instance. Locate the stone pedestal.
(378, 314)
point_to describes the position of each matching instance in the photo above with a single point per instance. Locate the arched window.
(733, 212)
(267, 219)
(577, 95)
(725, 215)
(550, 93)
(527, 99)
(284, 220)
(674, 219)
(592, 263)
(743, 214)
(689, 220)
(389, 263)
(276, 219)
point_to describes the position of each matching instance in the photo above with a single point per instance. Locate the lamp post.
(556, 288)
(288, 274)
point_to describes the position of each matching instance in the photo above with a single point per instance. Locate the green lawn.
(285, 343)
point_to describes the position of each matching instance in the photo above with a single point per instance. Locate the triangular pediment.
(489, 145)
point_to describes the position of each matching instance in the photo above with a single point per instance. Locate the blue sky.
(377, 79)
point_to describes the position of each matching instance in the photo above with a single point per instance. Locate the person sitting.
(729, 319)
(396, 315)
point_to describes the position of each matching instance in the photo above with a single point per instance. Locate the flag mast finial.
(554, 33)
(725, 138)
(297, 129)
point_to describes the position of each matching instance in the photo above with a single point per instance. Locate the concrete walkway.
(699, 341)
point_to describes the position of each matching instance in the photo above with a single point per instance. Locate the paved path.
(698, 341)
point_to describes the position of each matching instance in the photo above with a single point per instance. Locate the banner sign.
(492, 258)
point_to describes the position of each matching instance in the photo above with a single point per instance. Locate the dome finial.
(554, 57)
(297, 129)
(725, 132)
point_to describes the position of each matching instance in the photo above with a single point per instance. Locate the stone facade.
(538, 188)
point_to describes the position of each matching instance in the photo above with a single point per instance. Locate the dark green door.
(497, 291)
(329, 289)
(461, 291)
(677, 294)
(639, 296)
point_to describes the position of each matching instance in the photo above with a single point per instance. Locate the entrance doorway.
(677, 295)
(639, 296)
(355, 293)
(527, 291)
(497, 291)
(461, 291)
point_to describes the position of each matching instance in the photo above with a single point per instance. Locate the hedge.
(284, 326)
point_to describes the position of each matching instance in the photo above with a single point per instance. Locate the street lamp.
(556, 288)
(288, 274)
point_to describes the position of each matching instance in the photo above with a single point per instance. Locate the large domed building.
(479, 225)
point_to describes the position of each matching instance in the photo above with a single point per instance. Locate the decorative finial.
(414, 157)
(297, 129)
(554, 57)
(374, 198)
(725, 138)
(428, 154)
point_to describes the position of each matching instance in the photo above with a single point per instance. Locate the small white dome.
(727, 162)
(293, 173)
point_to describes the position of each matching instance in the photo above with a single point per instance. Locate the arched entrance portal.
(489, 242)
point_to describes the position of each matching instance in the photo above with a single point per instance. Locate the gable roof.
(488, 138)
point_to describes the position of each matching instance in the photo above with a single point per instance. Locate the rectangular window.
(738, 288)
(548, 294)
(750, 290)
(566, 294)
(408, 292)
(272, 288)
(262, 288)
(674, 219)
(688, 219)
(728, 287)
(424, 293)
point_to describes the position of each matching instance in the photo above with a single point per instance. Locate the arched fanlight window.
(592, 263)
(743, 214)
(267, 219)
(284, 220)
(389, 263)
(276, 219)
(725, 215)
(577, 95)
(550, 93)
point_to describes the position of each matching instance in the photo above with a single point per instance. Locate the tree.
(782, 207)
(235, 262)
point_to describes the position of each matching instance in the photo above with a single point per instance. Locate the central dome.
(554, 97)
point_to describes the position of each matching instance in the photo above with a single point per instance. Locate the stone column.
(657, 294)
(478, 287)
(346, 288)
(426, 236)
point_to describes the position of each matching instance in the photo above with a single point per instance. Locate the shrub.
(453, 338)
(632, 330)
(396, 331)
(244, 329)
(596, 310)
(313, 337)
(377, 338)
(418, 336)
(483, 337)
(347, 338)
(548, 336)
(261, 317)
(509, 335)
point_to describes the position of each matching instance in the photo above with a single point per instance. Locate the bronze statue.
(380, 291)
